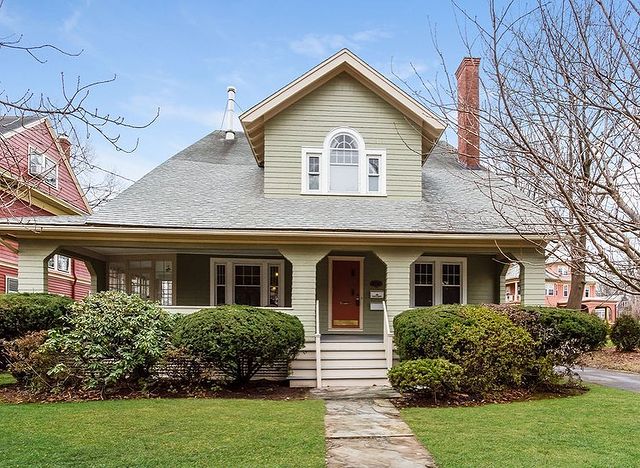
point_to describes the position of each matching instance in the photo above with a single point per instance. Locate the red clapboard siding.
(4, 272)
(7, 255)
(15, 160)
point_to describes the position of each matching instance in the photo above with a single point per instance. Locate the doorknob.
(358, 300)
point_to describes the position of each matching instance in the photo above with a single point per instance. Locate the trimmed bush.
(561, 335)
(26, 312)
(422, 333)
(111, 339)
(426, 376)
(625, 333)
(239, 340)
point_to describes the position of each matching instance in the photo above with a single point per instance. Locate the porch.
(345, 296)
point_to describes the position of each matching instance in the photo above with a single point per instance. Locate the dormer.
(341, 129)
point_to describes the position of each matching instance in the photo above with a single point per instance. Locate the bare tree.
(560, 119)
(70, 112)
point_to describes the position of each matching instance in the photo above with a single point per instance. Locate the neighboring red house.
(557, 287)
(37, 180)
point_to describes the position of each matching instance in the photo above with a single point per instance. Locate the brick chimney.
(65, 144)
(467, 76)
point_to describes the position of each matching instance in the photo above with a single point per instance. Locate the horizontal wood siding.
(341, 102)
(482, 271)
(193, 280)
(532, 274)
(32, 270)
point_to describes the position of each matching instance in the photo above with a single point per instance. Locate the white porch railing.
(388, 337)
(318, 346)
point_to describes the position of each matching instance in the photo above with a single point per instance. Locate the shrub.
(625, 333)
(25, 313)
(30, 362)
(422, 333)
(561, 335)
(239, 340)
(427, 376)
(112, 339)
(492, 351)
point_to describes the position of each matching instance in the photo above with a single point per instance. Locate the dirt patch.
(259, 390)
(609, 358)
(507, 396)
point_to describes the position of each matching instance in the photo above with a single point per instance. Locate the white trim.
(325, 167)
(230, 263)
(6, 284)
(437, 277)
(333, 258)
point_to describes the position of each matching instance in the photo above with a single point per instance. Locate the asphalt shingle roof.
(10, 123)
(216, 184)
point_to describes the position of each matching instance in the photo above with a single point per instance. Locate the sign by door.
(346, 294)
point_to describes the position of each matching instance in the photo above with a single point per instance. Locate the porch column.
(532, 273)
(304, 260)
(501, 278)
(32, 268)
(97, 269)
(398, 287)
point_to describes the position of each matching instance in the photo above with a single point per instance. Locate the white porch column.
(32, 268)
(398, 287)
(532, 273)
(304, 260)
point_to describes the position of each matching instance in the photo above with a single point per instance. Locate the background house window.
(11, 284)
(451, 283)
(563, 270)
(565, 290)
(247, 284)
(587, 291)
(550, 290)
(221, 284)
(43, 167)
(343, 164)
(423, 284)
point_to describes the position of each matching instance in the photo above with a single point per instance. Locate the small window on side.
(373, 174)
(313, 171)
(11, 285)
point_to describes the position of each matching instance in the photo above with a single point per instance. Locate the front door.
(345, 294)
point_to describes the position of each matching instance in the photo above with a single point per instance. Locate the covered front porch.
(346, 296)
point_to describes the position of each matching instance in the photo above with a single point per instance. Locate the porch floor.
(351, 338)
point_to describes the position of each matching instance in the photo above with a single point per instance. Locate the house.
(336, 202)
(556, 290)
(37, 180)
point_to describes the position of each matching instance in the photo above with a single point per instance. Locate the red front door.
(345, 294)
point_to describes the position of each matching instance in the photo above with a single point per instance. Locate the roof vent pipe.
(231, 100)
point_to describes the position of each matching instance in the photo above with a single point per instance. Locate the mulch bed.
(506, 396)
(258, 390)
(609, 358)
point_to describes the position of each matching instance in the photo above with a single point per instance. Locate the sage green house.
(337, 203)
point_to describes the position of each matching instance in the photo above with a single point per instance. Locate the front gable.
(342, 103)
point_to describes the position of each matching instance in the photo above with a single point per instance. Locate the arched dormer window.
(343, 166)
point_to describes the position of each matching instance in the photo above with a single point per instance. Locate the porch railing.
(318, 346)
(388, 336)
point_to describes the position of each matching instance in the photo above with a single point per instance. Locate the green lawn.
(599, 428)
(180, 432)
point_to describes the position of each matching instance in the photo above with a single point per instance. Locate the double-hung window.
(550, 289)
(343, 166)
(60, 263)
(11, 284)
(43, 167)
(565, 290)
(438, 280)
(257, 282)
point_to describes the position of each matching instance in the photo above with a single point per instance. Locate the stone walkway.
(610, 378)
(363, 428)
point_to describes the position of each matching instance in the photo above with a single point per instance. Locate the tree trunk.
(578, 280)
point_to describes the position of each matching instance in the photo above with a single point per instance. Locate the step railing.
(318, 346)
(388, 336)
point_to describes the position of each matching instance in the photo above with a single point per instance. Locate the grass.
(6, 379)
(164, 432)
(597, 429)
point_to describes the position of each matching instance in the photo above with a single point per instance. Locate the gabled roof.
(344, 61)
(10, 124)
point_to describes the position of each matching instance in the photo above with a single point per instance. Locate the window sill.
(338, 194)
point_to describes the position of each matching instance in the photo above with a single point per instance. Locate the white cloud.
(321, 45)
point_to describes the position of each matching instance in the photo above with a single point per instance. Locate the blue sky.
(181, 56)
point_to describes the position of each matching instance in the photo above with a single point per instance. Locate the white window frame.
(551, 288)
(124, 261)
(56, 264)
(31, 152)
(565, 290)
(6, 284)
(437, 277)
(230, 277)
(587, 291)
(364, 154)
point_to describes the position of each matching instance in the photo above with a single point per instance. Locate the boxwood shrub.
(29, 312)
(426, 376)
(239, 340)
(625, 333)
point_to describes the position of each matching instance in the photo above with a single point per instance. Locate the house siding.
(482, 271)
(342, 102)
(193, 280)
